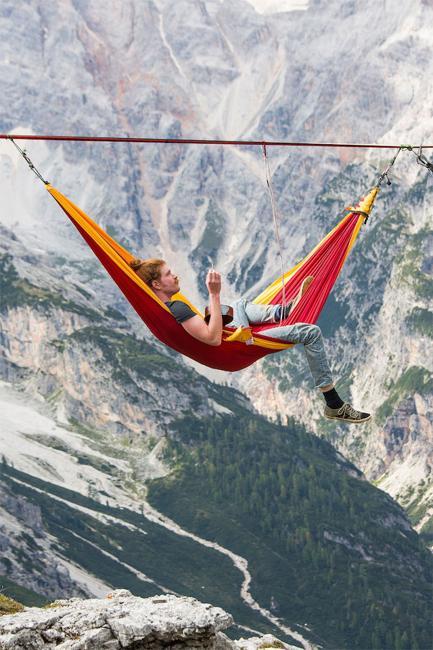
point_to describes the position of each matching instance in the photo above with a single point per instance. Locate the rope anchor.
(422, 160)
(28, 161)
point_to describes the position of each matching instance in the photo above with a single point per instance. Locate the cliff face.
(27, 555)
(86, 363)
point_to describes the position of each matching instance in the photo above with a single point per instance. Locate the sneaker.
(346, 413)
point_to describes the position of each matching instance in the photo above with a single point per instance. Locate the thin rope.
(29, 162)
(268, 143)
(276, 219)
(385, 173)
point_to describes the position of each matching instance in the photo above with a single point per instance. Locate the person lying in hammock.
(164, 283)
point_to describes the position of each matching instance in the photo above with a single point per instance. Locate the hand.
(213, 282)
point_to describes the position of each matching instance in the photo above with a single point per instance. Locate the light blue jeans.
(247, 313)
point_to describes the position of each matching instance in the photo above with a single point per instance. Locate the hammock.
(324, 262)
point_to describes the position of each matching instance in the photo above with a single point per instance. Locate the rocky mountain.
(116, 489)
(239, 70)
(91, 402)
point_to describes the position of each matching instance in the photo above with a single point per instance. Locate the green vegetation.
(325, 545)
(417, 503)
(101, 441)
(115, 314)
(427, 533)
(11, 591)
(17, 292)
(289, 369)
(82, 458)
(174, 562)
(133, 361)
(420, 321)
(334, 315)
(9, 606)
(413, 380)
(213, 234)
(381, 240)
(419, 191)
(410, 262)
(124, 352)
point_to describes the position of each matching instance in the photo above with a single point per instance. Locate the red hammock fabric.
(324, 263)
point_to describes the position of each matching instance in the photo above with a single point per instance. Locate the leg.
(303, 289)
(260, 313)
(311, 337)
(245, 313)
(326, 388)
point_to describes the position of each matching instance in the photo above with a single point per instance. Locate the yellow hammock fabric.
(324, 262)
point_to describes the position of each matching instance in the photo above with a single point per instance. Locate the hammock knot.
(365, 205)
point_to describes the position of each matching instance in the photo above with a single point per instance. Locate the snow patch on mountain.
(94, 585)
(28, 440)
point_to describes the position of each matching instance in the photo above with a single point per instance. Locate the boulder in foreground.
(122, 620)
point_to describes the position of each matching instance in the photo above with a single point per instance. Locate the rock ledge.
(123, 621)
(118, 621)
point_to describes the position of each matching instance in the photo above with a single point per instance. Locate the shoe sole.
(332, 417)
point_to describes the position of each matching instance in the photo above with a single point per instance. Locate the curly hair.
(148, 270)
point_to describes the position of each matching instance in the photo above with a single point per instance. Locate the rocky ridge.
(124, 621)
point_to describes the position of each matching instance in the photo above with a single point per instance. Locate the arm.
(208, 333)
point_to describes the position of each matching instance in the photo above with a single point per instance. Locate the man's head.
(157, 275)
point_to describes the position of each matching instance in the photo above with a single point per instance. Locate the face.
(169, 282)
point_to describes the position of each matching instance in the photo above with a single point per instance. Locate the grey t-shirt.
(180, 310)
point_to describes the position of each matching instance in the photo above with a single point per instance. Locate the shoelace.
(347, 409)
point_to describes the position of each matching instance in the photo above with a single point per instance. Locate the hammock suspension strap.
(276, 219)
(28, 161)
(385, 173)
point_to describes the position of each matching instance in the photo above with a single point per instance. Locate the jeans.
(247, 313)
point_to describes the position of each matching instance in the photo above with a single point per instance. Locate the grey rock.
(118, 621)
(268, 641)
